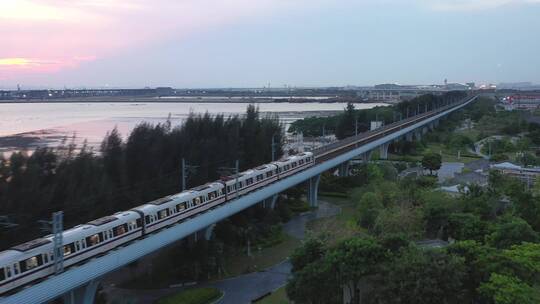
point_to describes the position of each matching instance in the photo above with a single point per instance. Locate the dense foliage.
(351, 120)
(144, 166)
(492, 254)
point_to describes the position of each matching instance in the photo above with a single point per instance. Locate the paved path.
(244, 288)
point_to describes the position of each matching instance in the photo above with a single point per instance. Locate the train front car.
(25, 263)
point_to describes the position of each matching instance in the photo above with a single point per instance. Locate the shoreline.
(224, 100)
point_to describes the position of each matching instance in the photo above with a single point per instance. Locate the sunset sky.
(250, 43)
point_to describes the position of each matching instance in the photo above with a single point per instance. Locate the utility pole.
(273, 147)
(57, 229)
(237, 169)
(186, 170)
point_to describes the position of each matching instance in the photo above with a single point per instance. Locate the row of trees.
(351, 120)
(124, 173)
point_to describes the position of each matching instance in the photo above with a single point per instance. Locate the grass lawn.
(277, 297)
(338, 227)
(259, 260)
(450, 156)
(192, 296)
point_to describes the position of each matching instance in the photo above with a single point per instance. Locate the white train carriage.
(33, 260)
(292, 164)
(249, 180)
(172, 209)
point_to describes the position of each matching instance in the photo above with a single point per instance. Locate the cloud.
(61, 31)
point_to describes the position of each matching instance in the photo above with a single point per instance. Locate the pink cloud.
(60, 34)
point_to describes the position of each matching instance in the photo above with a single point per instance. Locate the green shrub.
(192, 296)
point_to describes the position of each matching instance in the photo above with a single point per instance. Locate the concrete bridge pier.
(208, 232)
(366, 156)
(313, 188)
(418, 134)
(424, 130)
(270, 202)
(82, 295)
(343, 169)
(409, 137)
(383, 154)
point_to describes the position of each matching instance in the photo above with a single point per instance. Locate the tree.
(431, 161)
(511, 231)
(311, 251)
(354, 261)
(422, 276)
(502, 289)
(479, 259)
(400, 219)
(369, 206)
(466, 226)
(436, 209)
(346, 123)
(316, 283)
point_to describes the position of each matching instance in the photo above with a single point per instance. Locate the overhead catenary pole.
(274, 144)
(237, 169)
(186, 170)
(184, 175)
(57, 229)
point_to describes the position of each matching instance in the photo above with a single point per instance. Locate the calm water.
(91, 121)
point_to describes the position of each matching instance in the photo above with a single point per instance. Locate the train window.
(269, 174)
(15, 269)
(147, 219)
(31, 263)
(197, 200)
(293, 165)
(8, 272)
(69, 249)
(93, 240)
(2, 274)
(133, 224)
(181, 206)
(163, 213)
(119, 230)
(139, 223)
(260, 177)
(77, 245)
(45, 258)
(300, 161)
(212, 195)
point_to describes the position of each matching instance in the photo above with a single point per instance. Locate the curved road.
(244, 288)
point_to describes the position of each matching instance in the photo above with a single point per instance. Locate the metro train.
(34, 260)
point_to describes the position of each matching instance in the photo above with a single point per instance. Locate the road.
(244, 288)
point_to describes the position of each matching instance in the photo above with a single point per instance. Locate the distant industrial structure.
(387, 93)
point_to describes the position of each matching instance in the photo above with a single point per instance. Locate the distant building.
(528, 101)
(164, 91)
(527, 175)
